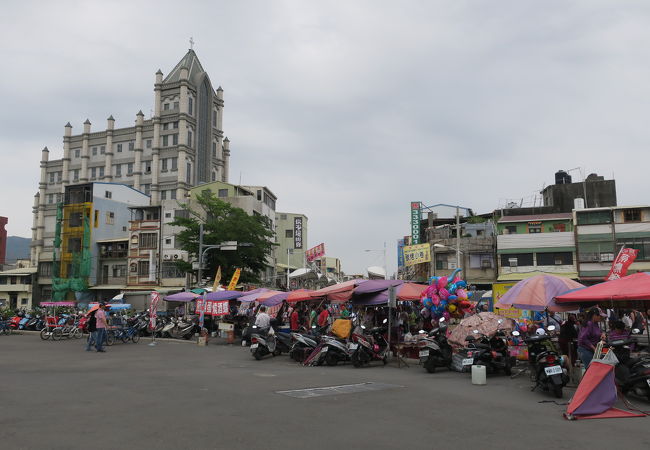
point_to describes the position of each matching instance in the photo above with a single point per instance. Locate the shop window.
(534, 227)
(632, 215)
(517, 259)
(555, 259)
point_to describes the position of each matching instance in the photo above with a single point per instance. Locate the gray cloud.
(348, 111)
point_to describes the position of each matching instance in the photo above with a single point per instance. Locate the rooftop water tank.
(561, 177)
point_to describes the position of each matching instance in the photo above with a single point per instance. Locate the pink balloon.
(431, 290)
(435, 299)
(456, 279)
(442, 283)
(443, 293)
(461, 293)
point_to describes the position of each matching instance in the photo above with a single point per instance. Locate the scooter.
(263, 342)
(436, 351)
(331, 351)
(168, 327)
(369, 347)
(303, 345)
(489, 352)
(283, 342)
(545, 363)
(185, 328)
(632, 374)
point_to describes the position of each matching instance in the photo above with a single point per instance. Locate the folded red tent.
(596, 395)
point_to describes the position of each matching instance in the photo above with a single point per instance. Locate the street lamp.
(384, 252)
(225, 246)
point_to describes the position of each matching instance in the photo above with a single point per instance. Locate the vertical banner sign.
(622, 262)
(315, 252)
(153, 309)
(234, 280)
(415, 222)
(201, 307)
(217, 279)
(400, 253)
(297, 232)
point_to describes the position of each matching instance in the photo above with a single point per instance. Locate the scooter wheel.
(257, 355)
(331, 359)
(277, 352)
(356, 362)
(430, 366)
(557, 390)
(57, 334)
(135, 338)
(45, 334)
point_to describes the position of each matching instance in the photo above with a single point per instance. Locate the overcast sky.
(348, 110)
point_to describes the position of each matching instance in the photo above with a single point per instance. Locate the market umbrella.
(486, 323)
(372, 286)
(338, 293)
(538, 293)
(299, 295)
(272, 298)
(224, 295)
(631, 287)
(181, 297)
(58, 303)
(404, 292)
(253, 295)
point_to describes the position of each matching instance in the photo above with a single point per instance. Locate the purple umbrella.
(372, 286)
(224, 295)
(275, 300)
(251, 296)
(181, 297)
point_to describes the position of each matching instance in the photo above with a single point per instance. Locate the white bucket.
(478, 375)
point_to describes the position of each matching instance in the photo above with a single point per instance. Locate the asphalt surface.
(177, 395)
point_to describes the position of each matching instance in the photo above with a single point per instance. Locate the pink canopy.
(339, 293)
(632, 287)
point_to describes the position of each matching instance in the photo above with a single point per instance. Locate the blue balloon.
(433, 280)
(452, 288)
(452, 297)
(469, 294)
(453, 274)
(461, 284)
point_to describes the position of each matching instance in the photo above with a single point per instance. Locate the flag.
(622, 262)
(201, 306)
(153, 309)
(217, 279)
(235, 279)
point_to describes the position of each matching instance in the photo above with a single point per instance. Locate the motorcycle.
(545, 363)
(489, 352)
(303, 345)
(631, 374)
(369, 347)
(263, 342)
(436, 352)
(185, 328)
(331, 351)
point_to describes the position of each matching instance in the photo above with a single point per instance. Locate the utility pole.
(458, 237)
(200, 272)
(288, 253)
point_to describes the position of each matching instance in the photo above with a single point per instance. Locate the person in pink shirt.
(101, 325)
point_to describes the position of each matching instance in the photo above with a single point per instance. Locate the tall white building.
(181, 146)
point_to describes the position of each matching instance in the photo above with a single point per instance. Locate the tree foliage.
(224, 222)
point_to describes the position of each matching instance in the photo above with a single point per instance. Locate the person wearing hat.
(101, 325)
(590, 334)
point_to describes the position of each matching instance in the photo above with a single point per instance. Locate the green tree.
(224, 222)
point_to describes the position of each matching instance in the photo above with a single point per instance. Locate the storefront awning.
(518, 276)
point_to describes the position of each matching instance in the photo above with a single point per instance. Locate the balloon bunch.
(447, 296)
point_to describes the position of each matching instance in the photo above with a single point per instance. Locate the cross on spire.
(191, 43)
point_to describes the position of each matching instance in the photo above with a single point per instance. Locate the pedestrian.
(263, 320)
(323, 317)
(568, 335)
(590, 334)
(294, 320)
(312, 318)
(91, 325)
(102, 325)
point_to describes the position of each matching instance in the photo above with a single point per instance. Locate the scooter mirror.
(363, 327)
(500, 321)
(442, 319)
(475, 331)
(551, 328)
(385, 320)
(313, 326)
(422, 332)
(636, 331)
(254, 326)
(515, 333)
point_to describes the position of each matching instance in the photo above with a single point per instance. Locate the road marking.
(337, 390)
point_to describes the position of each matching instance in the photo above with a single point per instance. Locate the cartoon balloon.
(452, 288)
(461, 284)
(452, 298)
(435, 299)
(461, 293)
(454, 273)
(442, 283)
(451, 308)
(443, 293)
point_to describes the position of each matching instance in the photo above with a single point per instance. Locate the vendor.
(590, 334)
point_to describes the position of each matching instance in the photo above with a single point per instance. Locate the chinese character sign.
(415, 222)
(400, 253)
(297, 232)
(212, 308)
(315, 252)
(234, 280)
(416, 254)
(153, 309)
(622, 262)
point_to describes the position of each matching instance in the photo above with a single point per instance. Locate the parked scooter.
(369, 347)
(632, 374)
(184, 328)
(303, 345)
(545, 363)
(263, 342)
(436, 351)
(489, 352)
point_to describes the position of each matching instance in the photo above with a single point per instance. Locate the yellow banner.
(235, 279)
(217, 280)
(498, 290)
(417, 254)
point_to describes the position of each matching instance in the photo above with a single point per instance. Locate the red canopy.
(299, 295)
(337, 293)
(632, 287)
(410, 291)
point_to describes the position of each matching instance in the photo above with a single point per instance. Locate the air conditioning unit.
(452, 265)
(166, 257)
(486, 264)
(512, 262)
(176, 256)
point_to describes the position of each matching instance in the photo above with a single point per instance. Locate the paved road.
(181, 396)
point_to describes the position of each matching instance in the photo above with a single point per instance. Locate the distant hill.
(17, 248)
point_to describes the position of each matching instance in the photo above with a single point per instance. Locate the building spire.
(191, 43)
